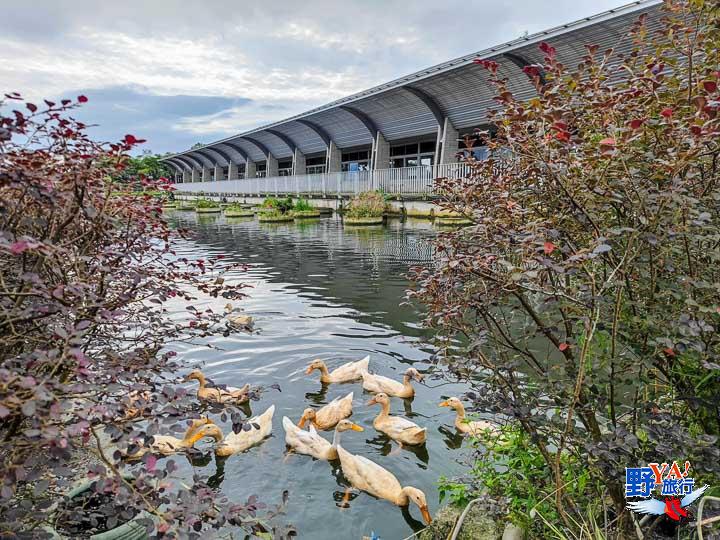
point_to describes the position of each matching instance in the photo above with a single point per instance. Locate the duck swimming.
(368, 476)
(461, 423)
(352, 371)
(378, 383)
(329, 415)
(311, 442)
(260, 427)
(217, 395)
(397, 428)
(168, 445)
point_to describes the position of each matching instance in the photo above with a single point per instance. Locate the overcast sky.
(177, 73)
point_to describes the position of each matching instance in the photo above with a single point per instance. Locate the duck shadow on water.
(386, 446)
(319, 397)
(452, 438)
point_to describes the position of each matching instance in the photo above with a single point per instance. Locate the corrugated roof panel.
(305, 138)
(277, 147)
(398, 114)
(253, 152)
(343, 127)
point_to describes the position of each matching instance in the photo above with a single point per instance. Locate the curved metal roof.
(458, 87)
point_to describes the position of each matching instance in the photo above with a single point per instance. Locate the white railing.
(406, 181)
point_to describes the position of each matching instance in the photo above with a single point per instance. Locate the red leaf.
(562, 136)
(487, 64)
(531, 71)
(635, 124)
(150, 462)
(669, 351)
(548, 248)
(563, 346)
(82, 99)
(548, 49)
(32, 107)
(16, 248)
(608, 141)
(667, 112)
(130, 139)
(710, 86)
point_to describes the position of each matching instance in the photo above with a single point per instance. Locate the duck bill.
(309, 370)
(426, 515)
(355, 427)
(443, 404)
(373, 401)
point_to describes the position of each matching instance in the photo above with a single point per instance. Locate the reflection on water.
(321, 291)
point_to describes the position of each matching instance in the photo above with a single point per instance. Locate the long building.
(397, 136)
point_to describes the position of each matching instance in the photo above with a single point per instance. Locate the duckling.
(313, 444)
(167, 444)
(368, 476)
(378, 383)
(352, 371)
(237, 321)
(400, 429)
(260, 427)
(329, 415)
(218, 395)
(462, 424)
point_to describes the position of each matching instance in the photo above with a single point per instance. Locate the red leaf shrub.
(603, 356)
(86, 266)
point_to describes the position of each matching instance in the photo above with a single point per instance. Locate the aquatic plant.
(302, 205)
(586, 292)
(366, 204)
(87, 264)
(206, 203)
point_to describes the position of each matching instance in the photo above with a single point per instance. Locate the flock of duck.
(362, 473)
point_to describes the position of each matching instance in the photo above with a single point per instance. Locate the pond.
(323, 291)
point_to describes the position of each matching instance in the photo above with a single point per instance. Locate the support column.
(219, 173)
(299, 163)
(186, 176)
(271, 168)
(450, 144)
(250, 170)
(206, 174)
(334, 158)
(232, 171)
(196, 175)
(381, 151)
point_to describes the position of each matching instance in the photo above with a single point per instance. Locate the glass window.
(426, 161)
(427, 147)
(315, 169)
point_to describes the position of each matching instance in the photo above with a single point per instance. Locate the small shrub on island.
(366, 208)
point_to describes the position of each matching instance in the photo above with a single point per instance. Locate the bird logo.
(672, 506)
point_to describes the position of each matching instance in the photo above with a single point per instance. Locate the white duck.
(368, 476)
(378, 383)
(397, 428)
(352, 371)
(311, 442)
(329, 415)
(260, 427)
(474, 427)
(167, 445)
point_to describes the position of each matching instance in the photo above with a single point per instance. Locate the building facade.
(397, 136)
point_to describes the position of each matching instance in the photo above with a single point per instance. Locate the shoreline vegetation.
(585, 293)
(575, 292)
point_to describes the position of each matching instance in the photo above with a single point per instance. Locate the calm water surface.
(321, 291)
